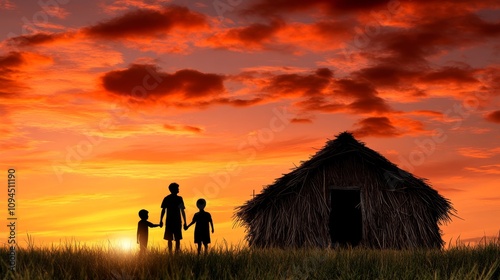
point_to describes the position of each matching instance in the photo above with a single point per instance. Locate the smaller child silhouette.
(201, 230)
(143, 230)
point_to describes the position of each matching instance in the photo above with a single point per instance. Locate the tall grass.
(75, 261)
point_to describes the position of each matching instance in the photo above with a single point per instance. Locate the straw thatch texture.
(398, 209)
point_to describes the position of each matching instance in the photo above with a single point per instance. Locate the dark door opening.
(345, 218)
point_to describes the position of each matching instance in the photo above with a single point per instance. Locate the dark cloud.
(386, 74)
(301, 120)
(38, 39)
(143, 81)
(376, 126)
(239, 102)
(12, 59)
(313, 90)
(332, 29)
(255, 33)
(300, 84)
(450, 74)
(352, 88)
(491, 78)
(9, 66)
(137, 24)
(364, 95)
(183, 128)
(254, 36)
(321, 91)
(412, 45)
(140, 23)
(493, 116)
(321, 104)
(274, 7)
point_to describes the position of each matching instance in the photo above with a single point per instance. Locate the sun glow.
(125, 245)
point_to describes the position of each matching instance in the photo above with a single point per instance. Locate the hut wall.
(392, 218)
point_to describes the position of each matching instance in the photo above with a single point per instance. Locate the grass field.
(72, 261)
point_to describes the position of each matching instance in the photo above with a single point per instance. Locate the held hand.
(161, 224)
(212, 230)
(185, 227)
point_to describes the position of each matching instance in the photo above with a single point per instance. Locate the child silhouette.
(143, 230)
(201, 230)
(173, 206)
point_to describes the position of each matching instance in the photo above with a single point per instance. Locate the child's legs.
(177, 245)
(205, 244)
(143, 246)
(170, 245)
(199, 247)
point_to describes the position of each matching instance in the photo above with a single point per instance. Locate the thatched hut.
(346, 194)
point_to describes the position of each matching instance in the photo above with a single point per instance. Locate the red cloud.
(478, 152)
(183, 128)
(237, 102)
(143, 82)
(255, 33)
(493, 116)
(385, 127)
(13, 59)
(301, 120)
(451, 74)
(386, 74)
(364, 94)
(273, 7)
(492, 169)
(9, 65)
(136, 24)
(252, 36)
(40, 39)
(145, 22)
(302, 85)
(376, 126)
(321, 36)
(415, 43)
(320, 91)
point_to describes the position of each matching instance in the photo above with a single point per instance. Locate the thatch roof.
(399, 210)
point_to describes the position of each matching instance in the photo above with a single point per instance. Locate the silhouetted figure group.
(173, 206)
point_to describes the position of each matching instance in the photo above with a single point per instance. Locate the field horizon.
(77, 261)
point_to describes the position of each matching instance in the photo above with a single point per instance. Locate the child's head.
(174, 188)
(144, 214)
(201, 203)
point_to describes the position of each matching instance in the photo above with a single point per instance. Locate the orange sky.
(104, 103)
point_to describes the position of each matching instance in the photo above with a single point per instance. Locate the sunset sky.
(104, 103)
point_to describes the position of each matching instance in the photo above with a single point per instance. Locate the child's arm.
(161, 216)
(192, 222)
(150, 224)
(183, 213)
(137, 234)
(211, 224)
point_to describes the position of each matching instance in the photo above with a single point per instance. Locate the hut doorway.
(345, 217)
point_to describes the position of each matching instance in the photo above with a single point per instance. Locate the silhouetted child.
(143, 230)
(201, 230)
(173, 205)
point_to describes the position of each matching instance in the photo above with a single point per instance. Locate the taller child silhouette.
(174, 206)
